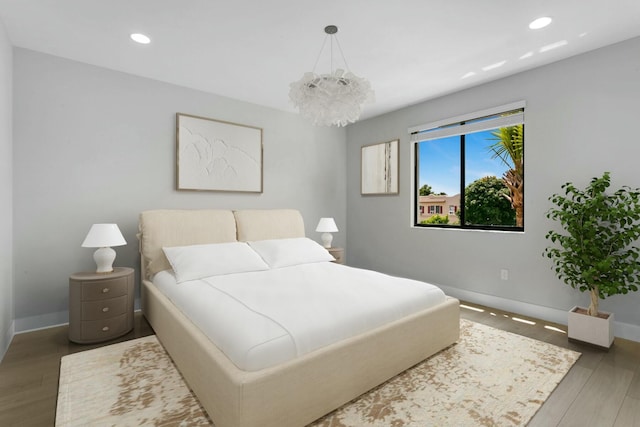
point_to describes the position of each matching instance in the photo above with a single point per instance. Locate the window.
(474, 165)
(434, 210)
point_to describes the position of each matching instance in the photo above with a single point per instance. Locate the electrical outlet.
(504, 274)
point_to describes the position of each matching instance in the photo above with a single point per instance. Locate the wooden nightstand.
(100, 305)
(338, 254)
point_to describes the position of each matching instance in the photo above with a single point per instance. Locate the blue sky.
(439, 164)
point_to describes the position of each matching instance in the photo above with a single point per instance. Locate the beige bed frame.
(294, 393)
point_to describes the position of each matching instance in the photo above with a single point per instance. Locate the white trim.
(466, 129)
(412, 185)
(626, 331)
(7, 338)
(469, 116)
(622, 330)
(44, 321)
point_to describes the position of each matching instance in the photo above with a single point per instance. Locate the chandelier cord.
(320, 54)
(324, 43)
(341, 54)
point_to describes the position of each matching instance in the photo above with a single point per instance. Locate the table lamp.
(103, 236)
(326, 226)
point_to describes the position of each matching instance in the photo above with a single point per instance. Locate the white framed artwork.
(215, 155)
(379, 169)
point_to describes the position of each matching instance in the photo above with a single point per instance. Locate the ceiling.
(410, 50)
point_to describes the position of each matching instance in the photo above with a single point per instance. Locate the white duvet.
(262, 318)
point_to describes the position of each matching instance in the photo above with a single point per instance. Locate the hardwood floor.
(29, 373)
(602, 389)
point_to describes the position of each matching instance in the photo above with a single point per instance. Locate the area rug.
(489, 378)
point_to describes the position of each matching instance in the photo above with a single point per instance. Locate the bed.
(287, 392)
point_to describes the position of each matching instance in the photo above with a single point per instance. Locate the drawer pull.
(105, 290)
(105, 329)
(105, 309)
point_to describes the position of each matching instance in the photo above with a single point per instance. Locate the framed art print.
(379, 166)
(214, 155)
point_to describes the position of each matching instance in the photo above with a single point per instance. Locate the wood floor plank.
(24, 400)
(626, 354)
(600, 399)
(629, 415)
(553, 410)
(634, 388)
(39, 412)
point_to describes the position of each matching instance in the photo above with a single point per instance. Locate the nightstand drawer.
(103, 329)
(100, 305)
(104, 309)
(103, 289)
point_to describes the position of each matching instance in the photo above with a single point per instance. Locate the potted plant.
(595, 251)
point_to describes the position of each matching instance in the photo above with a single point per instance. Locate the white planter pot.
(590, 329)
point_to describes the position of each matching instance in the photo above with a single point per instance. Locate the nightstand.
(338, 254)
(100, 305)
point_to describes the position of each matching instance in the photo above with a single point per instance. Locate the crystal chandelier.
(333, 99)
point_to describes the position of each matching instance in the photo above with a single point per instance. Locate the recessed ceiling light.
(540, 23)
(140, 38)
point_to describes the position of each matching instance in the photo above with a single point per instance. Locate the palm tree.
(509, 148)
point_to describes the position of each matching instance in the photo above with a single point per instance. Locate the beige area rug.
(489, 378)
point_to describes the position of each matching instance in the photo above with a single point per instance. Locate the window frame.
(492, 118)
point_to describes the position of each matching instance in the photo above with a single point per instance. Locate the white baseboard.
(6, 339)
(44, 321)
(622, 330)
(626, 331)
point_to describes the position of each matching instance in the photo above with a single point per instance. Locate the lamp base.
(104, 258)
(326, 240)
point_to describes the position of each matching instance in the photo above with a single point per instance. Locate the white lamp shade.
(103, 236)
(327, 225)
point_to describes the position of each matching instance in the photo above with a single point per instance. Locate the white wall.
(6, 192)
(580, 121)
(94, 145)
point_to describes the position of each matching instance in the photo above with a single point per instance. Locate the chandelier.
(333, 99)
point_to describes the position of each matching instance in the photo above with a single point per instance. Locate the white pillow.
(288, 252)
(198, 261)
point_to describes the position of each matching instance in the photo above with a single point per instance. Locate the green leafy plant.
(509, 147)
(595, 251)
(436, 219)
(487, 203)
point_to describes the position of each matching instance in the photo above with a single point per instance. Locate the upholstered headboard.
(265, 224)
(167, 227)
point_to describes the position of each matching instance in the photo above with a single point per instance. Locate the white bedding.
(262, 318)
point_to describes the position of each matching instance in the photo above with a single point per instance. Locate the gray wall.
(6, 192)
(580, 120)
(94, 145)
